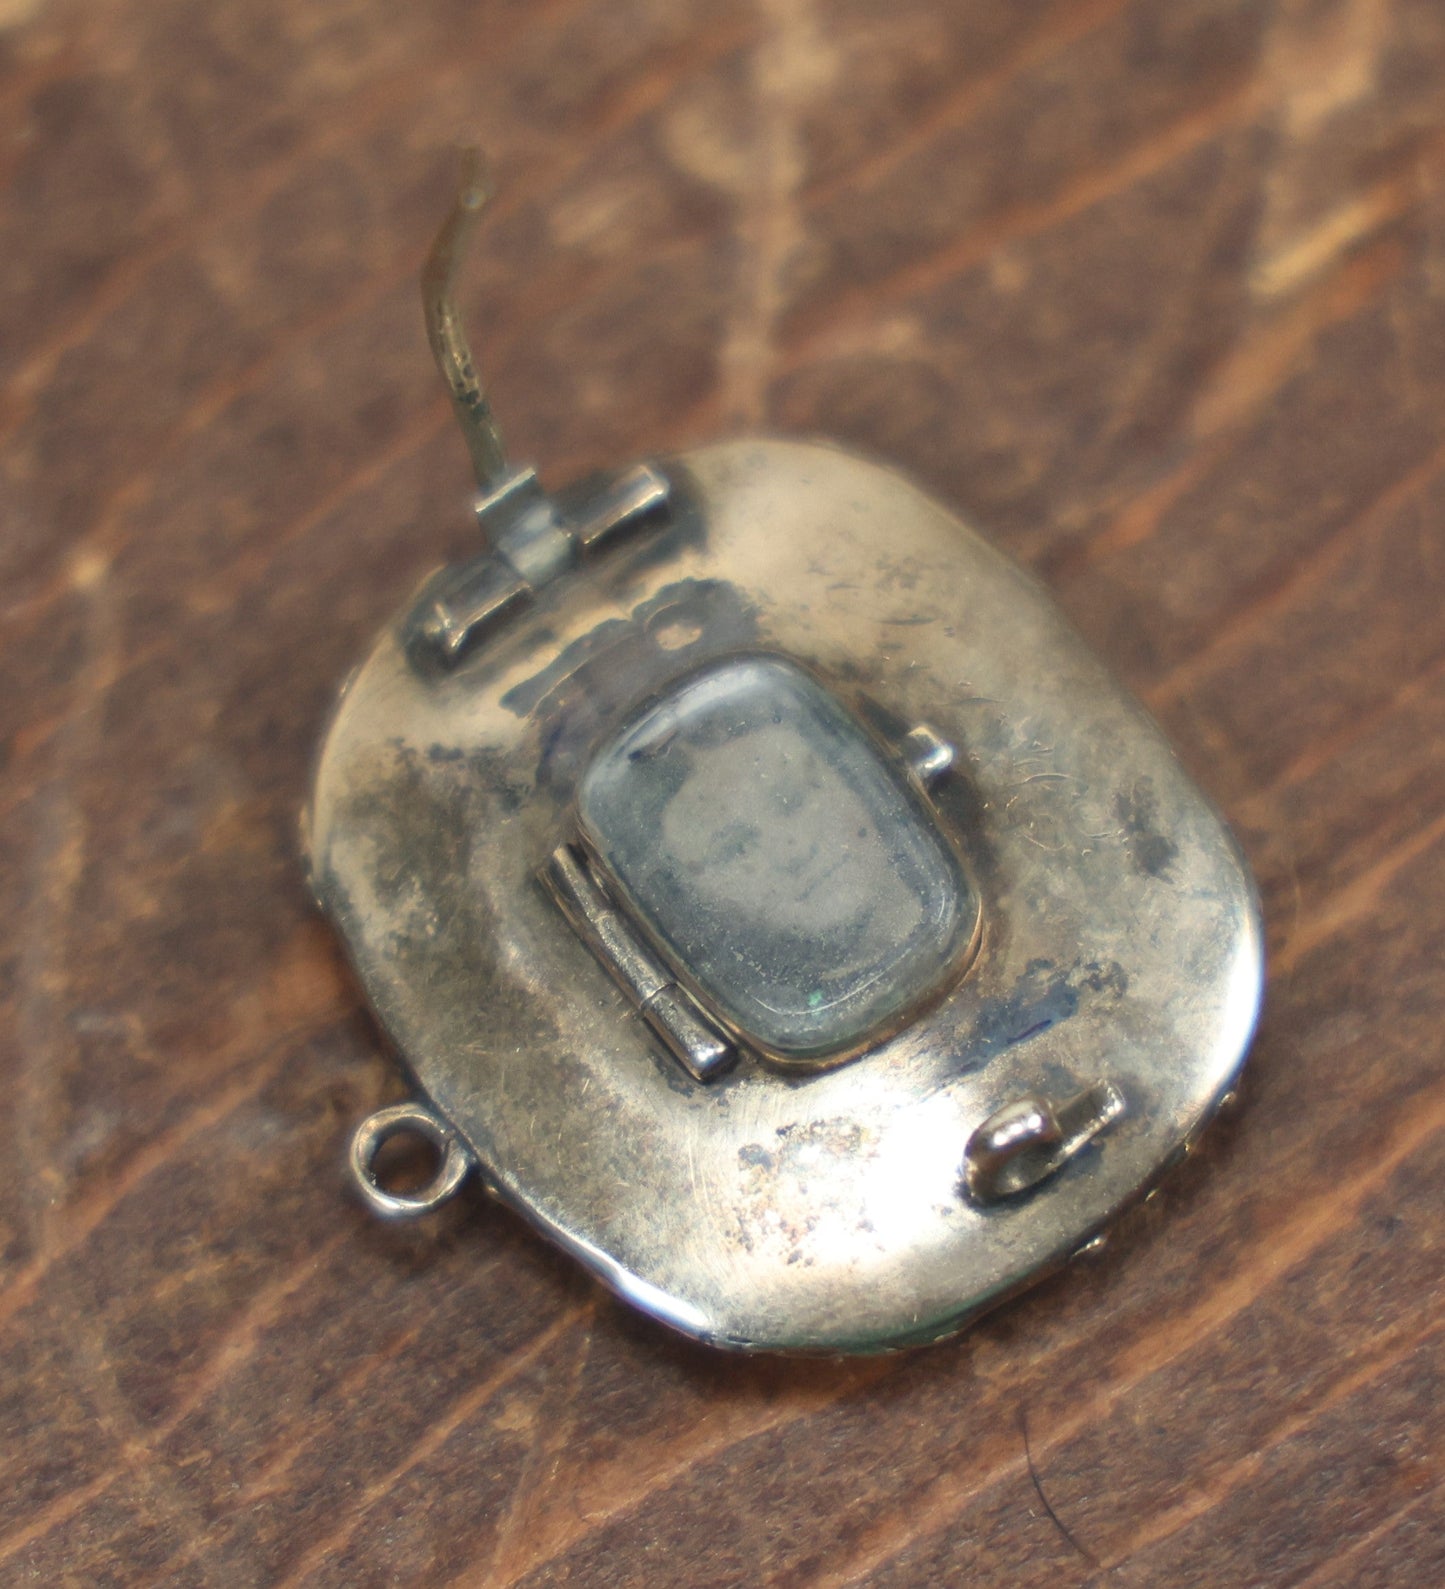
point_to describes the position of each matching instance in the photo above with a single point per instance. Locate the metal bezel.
(892, 755)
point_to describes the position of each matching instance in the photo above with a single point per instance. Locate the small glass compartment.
(779, 863)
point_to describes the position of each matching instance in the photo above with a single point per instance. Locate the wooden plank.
(1156, 293)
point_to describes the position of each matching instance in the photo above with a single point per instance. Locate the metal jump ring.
(456, 1159)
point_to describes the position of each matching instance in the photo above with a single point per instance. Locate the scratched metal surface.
(1150, 290)
(1120, 939)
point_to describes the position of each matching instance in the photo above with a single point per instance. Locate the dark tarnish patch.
(1043, 997)
(1152, 852)
(411, 822)
(584, 692)
(486, 769)
(524, 698)
(419, 819)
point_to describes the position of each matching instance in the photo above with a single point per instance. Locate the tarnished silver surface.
(1120, 946)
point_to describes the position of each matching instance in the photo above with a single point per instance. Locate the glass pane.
(776, 858)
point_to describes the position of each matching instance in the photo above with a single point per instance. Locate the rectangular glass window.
(776, 859)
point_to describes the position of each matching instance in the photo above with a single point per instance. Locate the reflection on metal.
(929, 756)
(625, 503)
(533, 540)
(1032, 1138)
(454, 1159)
(746, 874)
(463, 604)
(668, 1011)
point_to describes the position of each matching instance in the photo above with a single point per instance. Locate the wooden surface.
(1155, 291)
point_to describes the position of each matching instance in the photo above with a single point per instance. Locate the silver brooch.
(768, 894)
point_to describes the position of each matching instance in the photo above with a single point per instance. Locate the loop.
(417, 1119)
(1032, 1138)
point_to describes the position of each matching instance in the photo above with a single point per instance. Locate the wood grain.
(1152, 289)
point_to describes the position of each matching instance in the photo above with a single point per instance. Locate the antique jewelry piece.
(768, 894)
